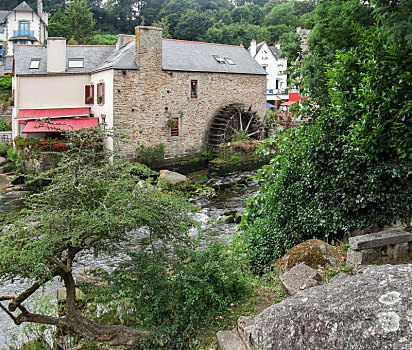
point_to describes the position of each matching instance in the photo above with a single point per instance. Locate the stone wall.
(145, 99)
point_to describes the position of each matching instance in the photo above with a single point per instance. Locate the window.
(193, 89)
(219, 59)
(23, 28)
(264, 67)
(230, 61)
(174, 130)
(264, 55)
(89, 94)
(35, 63)
(100, 93)
(76, 62)
(1, 29)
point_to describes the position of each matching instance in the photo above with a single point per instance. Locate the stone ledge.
(375, 240)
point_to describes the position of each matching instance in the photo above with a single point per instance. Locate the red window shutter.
(175, 131)
(92, 92)
(86, 94)
(102, 93)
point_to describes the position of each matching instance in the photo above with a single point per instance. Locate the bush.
(17, 159)
(151, 155)
(4, 126)
(181, 294)
(4, 147)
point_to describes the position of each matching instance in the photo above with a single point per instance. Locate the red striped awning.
(60, 124)
(52, 113)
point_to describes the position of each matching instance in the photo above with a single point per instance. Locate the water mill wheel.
(234, 122)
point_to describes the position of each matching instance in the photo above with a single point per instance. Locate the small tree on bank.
(89, 205)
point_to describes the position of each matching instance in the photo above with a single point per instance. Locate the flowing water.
(233, 199)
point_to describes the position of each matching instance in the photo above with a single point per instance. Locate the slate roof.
(93, 56)
(198, 57)
(277, 52)
(177, 55)
(23, 7)
(3, 16)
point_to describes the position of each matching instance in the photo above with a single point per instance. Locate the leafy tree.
(291, 44)
(150, 10)
(282, 14)
(336, 24)
(58, 25)
(192, 25)
(250, 13)
(76, 23)
(89, 205)
(173, 10)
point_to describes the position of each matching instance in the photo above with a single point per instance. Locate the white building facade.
(21, 25)
(275, 64)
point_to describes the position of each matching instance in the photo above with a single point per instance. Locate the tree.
(336, 24)
(192, 25)
(351, 167)
(58, 25)
(89, 205)
(250, 13)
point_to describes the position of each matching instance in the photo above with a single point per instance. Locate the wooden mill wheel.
(234, 122)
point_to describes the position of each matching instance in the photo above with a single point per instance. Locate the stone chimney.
(56, 55)
(123, 39)
(253, 48)
(148, 54)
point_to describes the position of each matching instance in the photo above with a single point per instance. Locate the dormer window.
(230, 61)
(76, 62)
(35, 63)
(219, 59)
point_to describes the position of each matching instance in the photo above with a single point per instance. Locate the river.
(232, 199)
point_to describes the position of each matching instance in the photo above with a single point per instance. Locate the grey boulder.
(299, 278)
(372, 310)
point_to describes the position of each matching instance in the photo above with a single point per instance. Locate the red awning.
(66, 124)
(288, 103)
(52, 113)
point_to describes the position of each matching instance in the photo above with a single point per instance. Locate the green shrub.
(17, 159)
(234, 159)
(151, 155)
(4, 126)
(4, 147)
(182, 294)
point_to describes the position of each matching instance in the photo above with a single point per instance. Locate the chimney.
(148, 54)
(40, 8)
(122, 40)
(253, 48)
(56, 55)
(277, 46)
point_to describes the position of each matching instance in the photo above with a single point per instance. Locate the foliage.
(104, 39)
(4, 147)
(370, 90)
(76, 23)
(4, 126)
(350, 169)
(5, 84)
(17, 160)
(180, 294)
(151, 155)
(44, 144)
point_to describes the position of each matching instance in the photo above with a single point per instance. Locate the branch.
(60, 265)
(23, 296)
(27, 316)
(8, 312)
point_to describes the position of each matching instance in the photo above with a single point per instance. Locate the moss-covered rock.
(314, 253)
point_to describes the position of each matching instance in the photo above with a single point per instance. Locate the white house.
(21, 25)
(274, 63)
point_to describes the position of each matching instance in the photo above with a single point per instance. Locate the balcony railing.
(23, 32)
(1, 53)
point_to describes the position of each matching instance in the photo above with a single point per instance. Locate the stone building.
(156, 90)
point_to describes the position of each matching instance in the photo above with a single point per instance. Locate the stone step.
(230, 340)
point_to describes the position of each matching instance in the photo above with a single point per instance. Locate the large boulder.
(372, 310)
(314, 253)
(92, 276)
(168, 177)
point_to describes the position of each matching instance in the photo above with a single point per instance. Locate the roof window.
(35, 63)
(230, 61)
(76, 62)
(219, 59)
